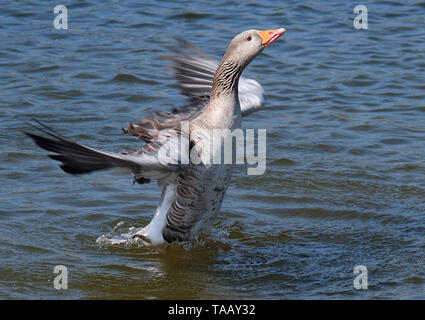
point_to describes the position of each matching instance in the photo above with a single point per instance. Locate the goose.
(192, 192)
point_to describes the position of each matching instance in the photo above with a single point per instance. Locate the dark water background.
(345, 179)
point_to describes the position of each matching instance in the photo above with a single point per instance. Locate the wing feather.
(79, 159)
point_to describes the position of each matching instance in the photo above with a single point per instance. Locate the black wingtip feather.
(75, 158)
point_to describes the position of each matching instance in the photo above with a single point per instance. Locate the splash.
(122, 235)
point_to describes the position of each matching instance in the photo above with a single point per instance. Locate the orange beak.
(270, 36)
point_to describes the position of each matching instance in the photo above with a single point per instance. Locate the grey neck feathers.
(226, 77)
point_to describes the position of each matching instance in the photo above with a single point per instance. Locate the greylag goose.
(192, 192)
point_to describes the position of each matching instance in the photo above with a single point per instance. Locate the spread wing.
(145, 164)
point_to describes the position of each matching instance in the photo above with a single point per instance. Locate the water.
(345, 179)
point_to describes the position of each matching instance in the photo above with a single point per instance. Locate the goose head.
(248, 44)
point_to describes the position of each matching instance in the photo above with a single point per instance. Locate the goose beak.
(270, 36)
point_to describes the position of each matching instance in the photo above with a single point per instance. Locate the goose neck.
(226, 78)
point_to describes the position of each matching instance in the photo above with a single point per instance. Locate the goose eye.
(249, 38)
